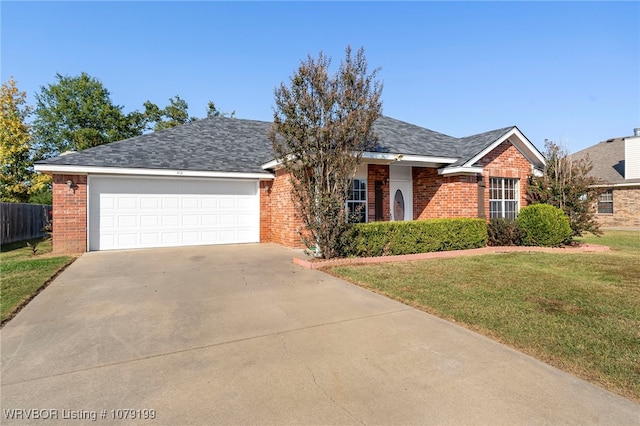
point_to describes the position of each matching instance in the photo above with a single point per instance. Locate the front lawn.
(24, 274)
(578, 312)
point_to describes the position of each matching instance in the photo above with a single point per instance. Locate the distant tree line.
(71, 114)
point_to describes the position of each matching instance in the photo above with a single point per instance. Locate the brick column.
(69, 214)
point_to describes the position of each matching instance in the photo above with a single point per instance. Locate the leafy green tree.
(174, 114)
(76, 113)
(212, 111)
(322, 125)
(566, 184)
(15, 144)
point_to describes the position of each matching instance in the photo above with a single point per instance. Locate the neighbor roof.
(607, 159)
(223, 144)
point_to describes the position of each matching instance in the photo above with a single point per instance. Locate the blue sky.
(566, 71)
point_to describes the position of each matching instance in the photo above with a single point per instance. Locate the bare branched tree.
(322, 125)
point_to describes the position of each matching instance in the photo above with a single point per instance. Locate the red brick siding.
(378, 172)
(283, 221)
(69, 214)
(436, 196)
(265, 211)
(505, 161)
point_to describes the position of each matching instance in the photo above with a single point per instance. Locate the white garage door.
(163, 212)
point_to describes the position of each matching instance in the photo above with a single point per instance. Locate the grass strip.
(25, 274)
(578, 312)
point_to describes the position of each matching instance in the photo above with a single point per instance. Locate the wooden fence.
(19, 222)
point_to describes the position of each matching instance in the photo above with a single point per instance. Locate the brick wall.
(436, 196)
(265, 211)
(281, 223)
(378, 172)
(505, 161)
(69, 214)
(626, 209)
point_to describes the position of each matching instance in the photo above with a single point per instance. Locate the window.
(605, 202)
(357, 202)
(503, 198)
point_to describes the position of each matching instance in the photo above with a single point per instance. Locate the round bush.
(543, 225)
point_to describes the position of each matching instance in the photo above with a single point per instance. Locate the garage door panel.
(190, 220)
(170, 238)
(210, 237)
(227, 203)
(149, 203)
(244, 219)
(227, 219)
(149, 221)
(170, 202)
(149, 239)
(127, 239)
(170, 220)
(190, 237)
(190, 203)
(209, 219)
(155, 212)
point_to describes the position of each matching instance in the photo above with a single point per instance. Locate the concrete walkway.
(240, 335)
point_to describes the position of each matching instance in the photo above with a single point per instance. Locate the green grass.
(617, 240)
(24, 274)
(579, 312)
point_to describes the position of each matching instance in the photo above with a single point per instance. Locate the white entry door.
(131, 212)
(401, 192)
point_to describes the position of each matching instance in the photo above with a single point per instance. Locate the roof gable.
(478, 146)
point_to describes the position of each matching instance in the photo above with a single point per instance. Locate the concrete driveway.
(240, 335)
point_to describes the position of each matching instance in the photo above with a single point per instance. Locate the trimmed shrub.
(420, 236)
(504, 232)
(544, 225)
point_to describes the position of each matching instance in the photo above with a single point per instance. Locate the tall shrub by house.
(544, 225)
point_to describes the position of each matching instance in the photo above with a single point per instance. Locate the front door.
(401, 192)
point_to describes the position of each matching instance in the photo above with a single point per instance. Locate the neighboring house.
(616, 163)
(214, 181)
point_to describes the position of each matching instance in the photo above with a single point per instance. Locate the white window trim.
(361, 175)
(502, 198)
(610, 201)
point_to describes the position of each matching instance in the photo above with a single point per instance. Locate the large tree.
(15, 144)
(174, 114)
(322, 125)
(76, 113)
(212, 111)
(566, 184)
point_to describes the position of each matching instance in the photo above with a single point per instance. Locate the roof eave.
(460, 170)
(386, 158)
(84, 170)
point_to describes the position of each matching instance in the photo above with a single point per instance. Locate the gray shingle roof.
(399, 137)
(211, 144)
(607, 158)
(470, 146)
(237, 145)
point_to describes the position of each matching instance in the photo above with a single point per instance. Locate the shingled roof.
(236, 145)
(211, 144)
(607, 159)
